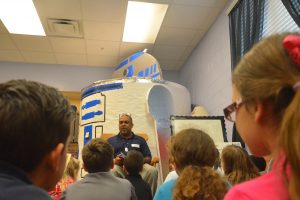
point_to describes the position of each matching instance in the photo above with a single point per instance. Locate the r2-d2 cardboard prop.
(138, 89)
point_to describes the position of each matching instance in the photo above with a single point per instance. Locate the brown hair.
(267, 74)
(192, 147)
(34, 119)
(134, 162)
(199, 183)
(97, 155)
(237, 165)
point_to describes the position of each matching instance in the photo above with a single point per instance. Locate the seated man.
(100, 183)
(34, 130)
(125, 141)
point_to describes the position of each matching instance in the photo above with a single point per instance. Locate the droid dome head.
(141, 65)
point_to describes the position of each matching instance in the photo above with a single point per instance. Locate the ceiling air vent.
(64, 28)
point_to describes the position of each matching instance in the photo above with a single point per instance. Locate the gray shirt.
(100, 186)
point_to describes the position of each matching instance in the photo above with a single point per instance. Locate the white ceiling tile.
(175, 36)
(168, 52)
(11, 55)
(2, 28)
(32, 43)
(197, 38)
(129, 48)
(68, 45)
(156, 1)
(97, 47)
(104, 11)
(211, 18)
(59, 9)
(71, 59)
(103, 31)
(102, 23)
(192, 17)
(102, 61)
(6, 43)
(209, 3)
(39, 57)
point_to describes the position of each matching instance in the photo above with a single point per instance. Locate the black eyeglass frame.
(231, 109)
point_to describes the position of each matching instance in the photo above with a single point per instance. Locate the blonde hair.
(199, 183)
(72, 168)
(267, 74)
(71, 171)
(237, 165)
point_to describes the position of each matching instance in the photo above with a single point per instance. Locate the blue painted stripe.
(135, 56)
(155, 75)
(100, 88)
(122, 64)
(130, 71)
(141, 74)
(91, 104)
(154, 68)
(151, 69)
(88, 132)
(91, 115)
(146, 72)
(98, 91)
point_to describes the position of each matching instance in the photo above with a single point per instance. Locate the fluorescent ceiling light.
(143, 21)
(20, 17)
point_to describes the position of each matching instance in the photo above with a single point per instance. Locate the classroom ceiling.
(90, 33)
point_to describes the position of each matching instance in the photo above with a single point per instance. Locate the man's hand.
(119, 161)
(147, 159)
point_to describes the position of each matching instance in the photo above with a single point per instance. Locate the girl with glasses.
(266, 110)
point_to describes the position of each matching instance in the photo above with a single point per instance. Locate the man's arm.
(146, 152)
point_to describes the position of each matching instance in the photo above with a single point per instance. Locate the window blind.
(277, 19)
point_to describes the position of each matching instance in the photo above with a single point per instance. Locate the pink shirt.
(268, 186)
(60, 187)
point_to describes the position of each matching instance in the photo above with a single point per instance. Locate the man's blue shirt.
(135, 142)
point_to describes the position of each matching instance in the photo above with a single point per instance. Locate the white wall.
(207, 72)
(171, 76)
(63, 77)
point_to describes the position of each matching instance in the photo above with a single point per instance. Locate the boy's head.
(34, 127)
(97, 156)
(134, 162)
(192, 147)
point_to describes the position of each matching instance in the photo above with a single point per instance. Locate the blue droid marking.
(101, 88)
(91, 104)
(149, 72)
(122, 64)
(130, 59)
(91, 115)
(135, 56)
(130, 71)
(155, 75)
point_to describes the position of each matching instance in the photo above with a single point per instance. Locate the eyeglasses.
(230, 111)
(125, 114)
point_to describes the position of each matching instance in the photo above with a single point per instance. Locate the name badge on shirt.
(135, 145)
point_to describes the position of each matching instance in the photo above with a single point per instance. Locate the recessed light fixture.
(20, 17)
(143, 21)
